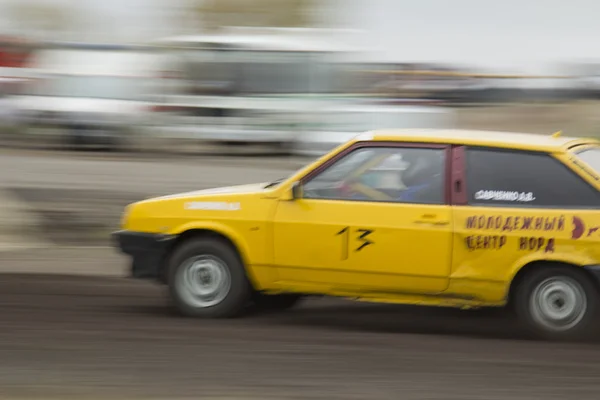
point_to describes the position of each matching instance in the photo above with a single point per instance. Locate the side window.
(383, 174)
(518, 178)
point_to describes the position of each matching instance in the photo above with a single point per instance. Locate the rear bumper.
(147, 251)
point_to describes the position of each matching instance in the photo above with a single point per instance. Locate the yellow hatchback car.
(427, 217)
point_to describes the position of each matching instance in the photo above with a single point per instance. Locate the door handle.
(438, 223)
(441, 222)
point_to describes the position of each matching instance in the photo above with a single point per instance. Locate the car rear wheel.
(558, 304)
(207, 279)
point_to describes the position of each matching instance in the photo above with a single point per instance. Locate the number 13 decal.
(362, 238)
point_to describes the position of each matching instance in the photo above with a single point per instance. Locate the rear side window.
(591, 156)
(497, 177)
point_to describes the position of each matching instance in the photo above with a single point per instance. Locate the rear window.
(511, 178)
(590, 156)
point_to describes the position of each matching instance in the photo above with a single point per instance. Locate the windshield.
(591, 156)
(98, 87)
(346, 165)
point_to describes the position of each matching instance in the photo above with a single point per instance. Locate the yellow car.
(428, 217)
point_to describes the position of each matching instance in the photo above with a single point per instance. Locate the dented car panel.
(491, 246)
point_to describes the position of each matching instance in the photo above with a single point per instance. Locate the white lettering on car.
(502, 195)
(212, 205)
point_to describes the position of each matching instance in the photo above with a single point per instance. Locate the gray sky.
(509, 35)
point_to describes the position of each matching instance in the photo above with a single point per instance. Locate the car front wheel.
(558, 304)
(207, 279)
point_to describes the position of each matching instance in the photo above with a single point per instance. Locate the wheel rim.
(203, 281)
(558, 303)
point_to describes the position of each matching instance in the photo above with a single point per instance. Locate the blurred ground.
(99, 338)
(74, 327)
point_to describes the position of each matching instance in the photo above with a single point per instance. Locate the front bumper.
(147, 250)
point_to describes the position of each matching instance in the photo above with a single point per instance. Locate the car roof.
(514, 140)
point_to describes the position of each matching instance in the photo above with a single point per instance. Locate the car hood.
(165, 213)
(226, 190)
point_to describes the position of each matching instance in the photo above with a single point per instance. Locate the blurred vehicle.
(424, 217)
(419, 81)
(332, 125)
(95, 95)
(585, 79)
(12, 82)
(8, 112)
(15, 51)
(14, 56)
(225, 87)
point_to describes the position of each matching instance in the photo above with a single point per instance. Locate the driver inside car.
(423, 179)
(419, 182)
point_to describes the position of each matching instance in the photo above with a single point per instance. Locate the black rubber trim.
(147, 251)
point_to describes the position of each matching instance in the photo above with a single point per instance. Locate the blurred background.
(287, 74)
(107, 102)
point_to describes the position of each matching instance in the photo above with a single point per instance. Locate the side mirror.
(296, 190)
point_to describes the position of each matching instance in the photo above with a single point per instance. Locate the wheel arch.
(210, 232)
(538, 264)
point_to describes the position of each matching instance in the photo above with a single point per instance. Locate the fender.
(567, 258)
(224, 230)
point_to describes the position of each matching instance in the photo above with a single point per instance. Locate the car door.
(368, 220)
(518, 207)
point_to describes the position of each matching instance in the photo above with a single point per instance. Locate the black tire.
(538, 323)
(234, 300)
(275, 302)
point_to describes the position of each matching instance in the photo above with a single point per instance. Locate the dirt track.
(100, 337)
(114, 338)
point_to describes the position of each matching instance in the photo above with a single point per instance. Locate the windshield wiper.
(275, 182)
